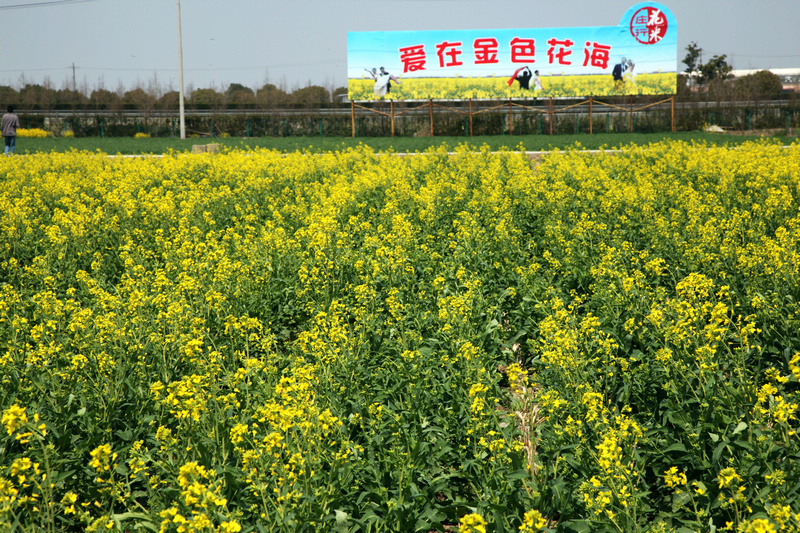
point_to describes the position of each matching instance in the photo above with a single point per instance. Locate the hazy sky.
(125, 43)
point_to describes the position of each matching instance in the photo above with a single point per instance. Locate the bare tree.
(154, 87)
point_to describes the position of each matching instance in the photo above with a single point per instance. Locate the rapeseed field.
(256, 341)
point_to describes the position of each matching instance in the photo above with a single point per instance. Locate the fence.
(441, 118)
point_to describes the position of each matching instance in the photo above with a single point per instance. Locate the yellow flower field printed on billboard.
(499, 89)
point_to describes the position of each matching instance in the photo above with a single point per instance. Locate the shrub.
(37, 133)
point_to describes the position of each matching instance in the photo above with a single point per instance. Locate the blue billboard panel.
(638, 56)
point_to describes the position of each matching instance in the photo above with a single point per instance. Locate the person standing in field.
(630, 75)
(380, 85)
(523, 76)
(537, 85)
(383, 82)
(10, 124)
(618, 73)
(392, 78)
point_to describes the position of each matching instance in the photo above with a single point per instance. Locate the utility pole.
(180, 66)
(74, 85)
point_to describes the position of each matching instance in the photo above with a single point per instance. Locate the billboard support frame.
(630, 109)
(391, 114)
(511, 104)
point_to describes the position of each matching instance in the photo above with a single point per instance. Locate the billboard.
(638, 56)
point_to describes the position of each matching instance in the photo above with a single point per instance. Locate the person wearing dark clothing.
(619, 70)
(524, 78)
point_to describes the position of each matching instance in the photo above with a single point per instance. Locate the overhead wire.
(43, 4)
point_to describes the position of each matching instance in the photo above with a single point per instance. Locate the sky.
(124, 44)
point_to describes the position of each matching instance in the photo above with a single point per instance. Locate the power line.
(767, 56)
(205, 69)
(45, 4)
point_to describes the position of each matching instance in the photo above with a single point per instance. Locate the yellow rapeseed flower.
(14, 418)
(533, 521)
(673, 478)
(103, 458)
(472, 523)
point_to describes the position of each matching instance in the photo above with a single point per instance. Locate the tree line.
(33, 97)
(713, 84)
(701, 80)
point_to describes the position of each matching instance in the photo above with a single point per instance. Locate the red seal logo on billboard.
(648, 25)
